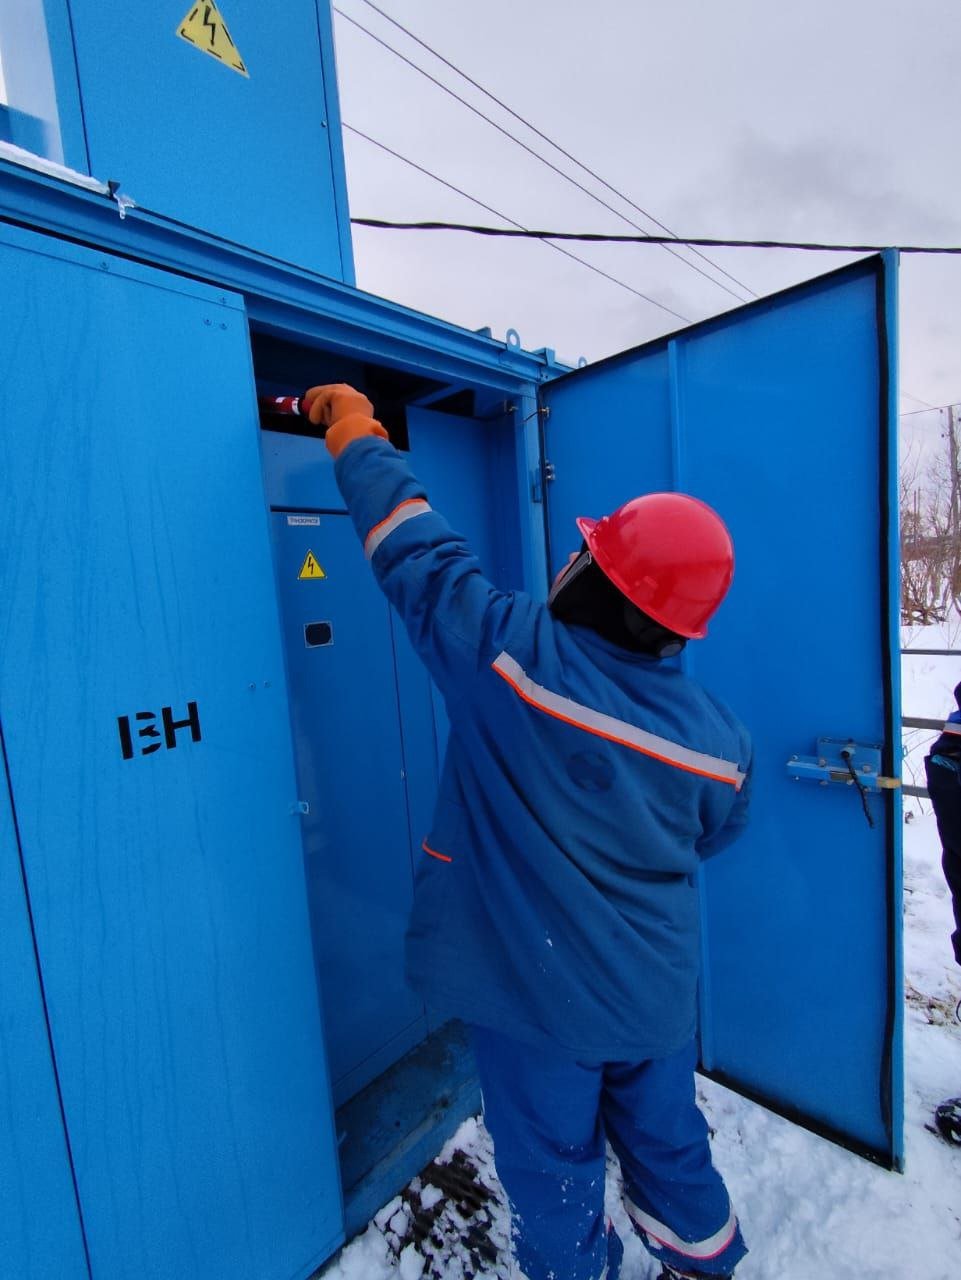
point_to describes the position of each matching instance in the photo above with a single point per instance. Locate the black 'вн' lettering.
(149, 730)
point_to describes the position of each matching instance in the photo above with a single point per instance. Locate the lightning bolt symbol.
(211, 25)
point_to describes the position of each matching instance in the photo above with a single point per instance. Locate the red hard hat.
(670, 554)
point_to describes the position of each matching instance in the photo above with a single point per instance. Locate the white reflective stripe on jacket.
(604, 726)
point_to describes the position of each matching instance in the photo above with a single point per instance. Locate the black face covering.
(584, 597)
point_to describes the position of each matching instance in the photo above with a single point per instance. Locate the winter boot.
(948, 1119)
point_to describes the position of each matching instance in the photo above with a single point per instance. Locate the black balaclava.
(585, 597)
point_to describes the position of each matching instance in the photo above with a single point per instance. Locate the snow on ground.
(809, 1210)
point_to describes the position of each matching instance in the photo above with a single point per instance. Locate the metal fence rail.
(917, 722)
(936, 653)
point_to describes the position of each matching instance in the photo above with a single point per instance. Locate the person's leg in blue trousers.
(672, 1192)
(548, 1116)
(543, 1112)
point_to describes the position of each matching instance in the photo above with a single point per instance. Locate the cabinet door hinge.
(539, 476)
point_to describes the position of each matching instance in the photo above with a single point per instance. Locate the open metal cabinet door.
(782, 416)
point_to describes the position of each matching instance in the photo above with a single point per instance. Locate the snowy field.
(809, 1210)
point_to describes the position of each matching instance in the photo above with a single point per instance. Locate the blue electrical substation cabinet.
(220, 753)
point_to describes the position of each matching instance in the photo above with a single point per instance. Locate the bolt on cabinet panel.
(147, 732)
(255, 156)
(347, 739)
(780, 415)
(40, 1236)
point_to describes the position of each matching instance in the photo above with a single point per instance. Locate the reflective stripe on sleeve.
(604, 726)
(400, 515)
(702, 1249)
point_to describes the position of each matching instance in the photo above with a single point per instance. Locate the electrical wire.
(530, 150)
(912, 396)
(557, 147)
(520, 230)
(935, 408)
(596, 237)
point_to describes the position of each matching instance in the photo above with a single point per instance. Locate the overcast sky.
(745, 119)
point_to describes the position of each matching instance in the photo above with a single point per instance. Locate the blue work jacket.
(555, 897)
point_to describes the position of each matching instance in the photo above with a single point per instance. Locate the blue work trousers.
(549, 1117)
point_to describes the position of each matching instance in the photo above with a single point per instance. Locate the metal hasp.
(843, 762)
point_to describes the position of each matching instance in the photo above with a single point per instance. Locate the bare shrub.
(930, 504)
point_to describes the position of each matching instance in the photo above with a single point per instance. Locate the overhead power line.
(520, 230)
(530, 151)
(911, 396)
(933, 408)
(595, 237)
(556, 145)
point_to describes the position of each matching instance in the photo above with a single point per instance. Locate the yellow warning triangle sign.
(311, 568)
(205, 29)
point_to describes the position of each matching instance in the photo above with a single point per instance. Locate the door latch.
(843, 762)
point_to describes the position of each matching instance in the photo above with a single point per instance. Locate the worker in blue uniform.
(942, 768)
(555, 905)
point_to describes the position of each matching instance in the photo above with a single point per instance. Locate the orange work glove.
(347, 414)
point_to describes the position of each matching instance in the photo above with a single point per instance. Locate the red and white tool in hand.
(282, 406)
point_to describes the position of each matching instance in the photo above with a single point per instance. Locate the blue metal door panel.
(298, 473)
(780, 415)
(357, 848)
(466, 473)
(638, 416)
(254, 159)
(40, 1236)
(456, 460)
(163, 860)
(416, 693)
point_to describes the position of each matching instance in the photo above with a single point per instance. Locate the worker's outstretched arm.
(457, 619)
